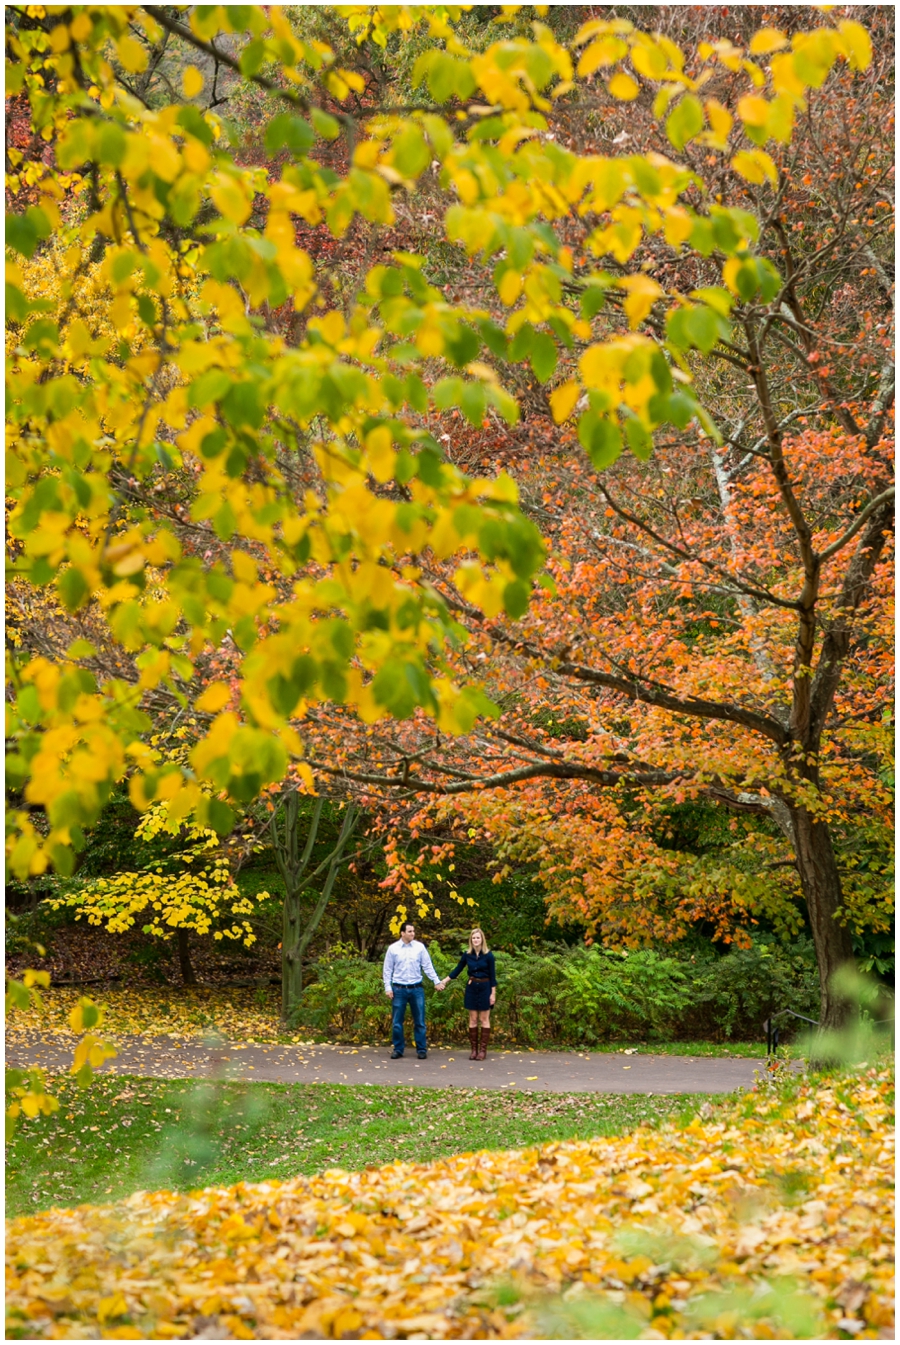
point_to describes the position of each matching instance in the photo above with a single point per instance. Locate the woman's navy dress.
(482, 979)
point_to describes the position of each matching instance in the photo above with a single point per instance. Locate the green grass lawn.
(129, 1134)
(749, 1050)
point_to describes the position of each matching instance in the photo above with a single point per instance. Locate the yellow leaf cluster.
(671, 1228)
(152, 367)
(26, 1090)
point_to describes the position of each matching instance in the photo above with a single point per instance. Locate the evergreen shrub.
(559, 996)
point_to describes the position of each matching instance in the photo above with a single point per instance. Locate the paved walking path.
(531, 1071)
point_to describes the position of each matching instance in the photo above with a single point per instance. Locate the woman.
(481, 990)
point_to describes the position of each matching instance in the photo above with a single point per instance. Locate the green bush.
(605, 994)
(733, 995)
(578, 996)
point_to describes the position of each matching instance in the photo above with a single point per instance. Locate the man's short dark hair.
(407, 924)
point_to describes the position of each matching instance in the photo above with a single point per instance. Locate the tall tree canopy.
(255, 519)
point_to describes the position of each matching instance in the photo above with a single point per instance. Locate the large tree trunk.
(821, 885)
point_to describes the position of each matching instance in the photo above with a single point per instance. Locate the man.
(404, 963)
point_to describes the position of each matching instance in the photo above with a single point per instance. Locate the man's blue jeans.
(414, 996)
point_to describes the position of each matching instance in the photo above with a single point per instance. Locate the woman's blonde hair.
(484, 942)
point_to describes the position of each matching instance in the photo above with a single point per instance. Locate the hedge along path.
(680, 1233)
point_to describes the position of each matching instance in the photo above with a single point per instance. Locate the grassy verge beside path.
(126, 1134)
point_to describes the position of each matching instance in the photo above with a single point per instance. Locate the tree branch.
(854, 528)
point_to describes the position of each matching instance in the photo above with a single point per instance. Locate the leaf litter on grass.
(772, 1219)
(134, 1134)
(246, 1015)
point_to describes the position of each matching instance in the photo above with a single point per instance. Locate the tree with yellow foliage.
(197, 479)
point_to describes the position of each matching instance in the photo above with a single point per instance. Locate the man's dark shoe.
(423, 1055)
(396, 1055)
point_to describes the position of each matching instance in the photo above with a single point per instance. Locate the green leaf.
(90, 1016)
(243, 405)
(600, 438)
(640, 440)
(592, 300)
(516, 597)
(209, 387)
(85, 1075)
(393, 689)
(685, 121)
(73, 589)
(287, 131)
(544, 356)
(463, 345)
(110, 144)
(147, 310)
(494, 338)
(224, 522)
(17, 306)
(505, 405)
(448, 392)
(326, 126)
(24, 232)
(253, 55)
(702, 327)
(520, 346)
(220, 817)
(448, 76)
(192, 120)
(680, 410)
(472, 703)
(411, 155)
(474, 403)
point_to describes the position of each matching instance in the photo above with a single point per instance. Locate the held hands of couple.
(438, 985)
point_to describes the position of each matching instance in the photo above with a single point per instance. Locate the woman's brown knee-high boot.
(485, 1038)
(473, 1038)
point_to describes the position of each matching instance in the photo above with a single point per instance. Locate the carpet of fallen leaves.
(670, 1227)
(239, 1013)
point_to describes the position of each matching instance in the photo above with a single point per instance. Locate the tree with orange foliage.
(720, 627)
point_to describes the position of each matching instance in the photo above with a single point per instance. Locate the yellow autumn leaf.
(767, 40)
(230, 198)
(30, 1105)
(755, 166)
(641, 294)
(563, 399)
(192, 82)
(857, 44)
(510, 287)
(719, 118)
(605, 51)
(131, 54)
(214, 698)
(623, 87)
(752, 110)
(381, 455)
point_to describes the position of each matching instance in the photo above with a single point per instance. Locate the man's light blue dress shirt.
(404, 964)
